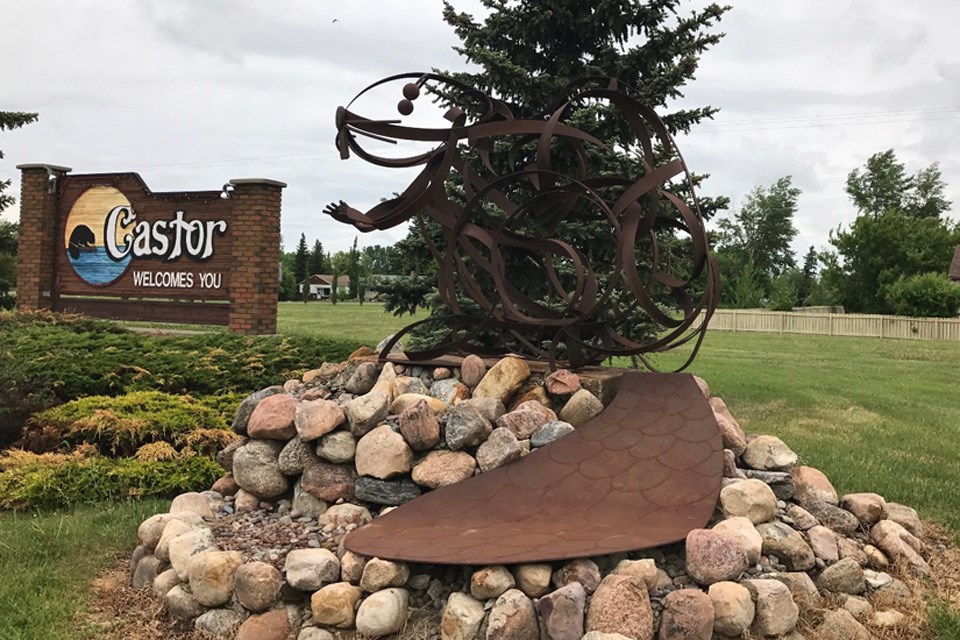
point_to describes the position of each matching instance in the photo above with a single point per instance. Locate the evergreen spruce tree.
(318, 259)
(301, 265)
(527, 51)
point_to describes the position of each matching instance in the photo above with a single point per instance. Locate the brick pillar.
(39, 233)
(255, 268)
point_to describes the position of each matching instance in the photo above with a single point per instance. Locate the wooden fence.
(835, 324)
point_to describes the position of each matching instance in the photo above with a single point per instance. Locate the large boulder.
(621, 605)
(256, 468)
(211, 576)
(714, 556)
(502, 380)
(273, 417)
(512, 616)
(383, 613)
(383, 454)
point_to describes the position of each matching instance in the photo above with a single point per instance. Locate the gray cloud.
(192, 93)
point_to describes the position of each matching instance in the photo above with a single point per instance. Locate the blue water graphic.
(95, 266)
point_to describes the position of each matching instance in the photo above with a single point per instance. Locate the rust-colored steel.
(525, 184)
(643, 473)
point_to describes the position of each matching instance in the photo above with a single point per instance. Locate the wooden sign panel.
(117, 238)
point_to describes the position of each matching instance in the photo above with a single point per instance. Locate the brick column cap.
(264, 181)
(47, 167)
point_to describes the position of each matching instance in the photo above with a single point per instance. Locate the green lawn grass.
(47, 561)
(365, 322)
(874, 415)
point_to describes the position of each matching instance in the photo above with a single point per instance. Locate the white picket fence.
(835, 324)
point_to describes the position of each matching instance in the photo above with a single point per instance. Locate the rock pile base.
(261, 555)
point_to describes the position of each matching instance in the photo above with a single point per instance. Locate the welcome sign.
(121, 239)
(107, 246)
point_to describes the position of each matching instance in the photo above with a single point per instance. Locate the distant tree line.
(9, 231)
(893, 258)
(360, 266)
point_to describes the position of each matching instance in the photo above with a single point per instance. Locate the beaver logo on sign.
(102, 236)
(86, 243)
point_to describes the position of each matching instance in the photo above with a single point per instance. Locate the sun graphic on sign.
(84, 240)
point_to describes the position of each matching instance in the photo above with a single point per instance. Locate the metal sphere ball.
(411, 91)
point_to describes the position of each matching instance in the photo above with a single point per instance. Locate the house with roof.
(321, 285)
(955, 265)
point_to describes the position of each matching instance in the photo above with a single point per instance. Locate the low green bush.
(924, 295)
(119, 426)
(48, 359)
(57, 481)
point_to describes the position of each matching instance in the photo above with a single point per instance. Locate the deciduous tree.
(900, 232)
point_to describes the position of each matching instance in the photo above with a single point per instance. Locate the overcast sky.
(192, 93)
